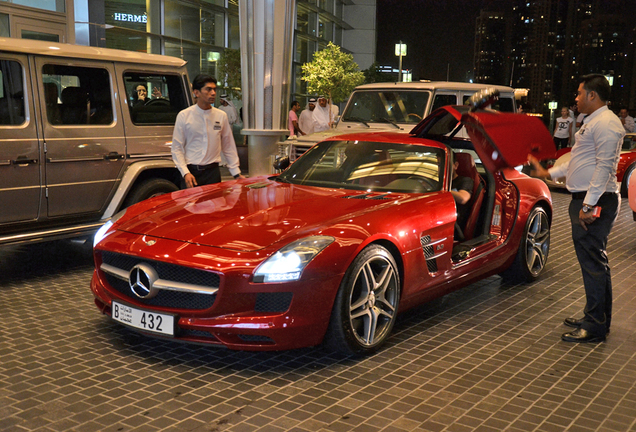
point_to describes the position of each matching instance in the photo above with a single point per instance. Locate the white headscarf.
(322, 119)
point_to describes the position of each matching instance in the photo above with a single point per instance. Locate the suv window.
(77, 95)
(154, 99)
(382, 106)
(443, 100)
(12, 106)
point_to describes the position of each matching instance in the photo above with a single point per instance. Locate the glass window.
(4, 25)
(52, 5)
(212, 28)
(154, 99)
(182, 21)
(130, 14)
(443, 100)
(12, 106)
(386, 106)
(234, 32)
(77, 95)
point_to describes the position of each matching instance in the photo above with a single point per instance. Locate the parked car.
(396, 107)
(359, 228)
(76, 143)
(624, 170)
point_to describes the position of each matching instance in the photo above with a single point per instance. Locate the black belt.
(581, 195)
(193, 167)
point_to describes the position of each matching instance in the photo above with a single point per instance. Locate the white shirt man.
(322, 116)
(626, 120)
(306, 121)
(201, 133)
(228, 107)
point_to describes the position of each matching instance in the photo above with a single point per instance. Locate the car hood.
(251, 215)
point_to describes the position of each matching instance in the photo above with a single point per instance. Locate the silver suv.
(76, 141)
(396, 106)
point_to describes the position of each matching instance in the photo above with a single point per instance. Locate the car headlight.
(101, 232)
(289, 262)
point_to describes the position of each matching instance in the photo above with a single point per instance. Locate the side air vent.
(432, 250)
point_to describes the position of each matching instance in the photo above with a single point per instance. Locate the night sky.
(437, 33)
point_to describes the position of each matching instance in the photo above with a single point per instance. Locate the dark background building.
(546, 45)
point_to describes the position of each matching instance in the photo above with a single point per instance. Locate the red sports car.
(359, 228)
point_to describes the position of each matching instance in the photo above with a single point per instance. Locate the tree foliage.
(229, 73)
(332, 73)
(373, 75)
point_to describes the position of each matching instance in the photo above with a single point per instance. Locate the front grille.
(169, 272)
(273, 302)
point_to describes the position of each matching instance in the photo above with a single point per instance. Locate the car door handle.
(23, 160)
(113, 156)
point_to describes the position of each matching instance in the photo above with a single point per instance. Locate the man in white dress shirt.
(201, 134)
(591, 178)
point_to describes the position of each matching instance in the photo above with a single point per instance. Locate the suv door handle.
(113, 156)
(23, 160)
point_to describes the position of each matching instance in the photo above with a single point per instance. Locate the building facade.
(196, 30)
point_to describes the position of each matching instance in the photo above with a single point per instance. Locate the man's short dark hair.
(201, 80)
(294, 103)
(598, 84)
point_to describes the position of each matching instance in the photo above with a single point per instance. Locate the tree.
(229, 73)
(332, 74)
(373, 75)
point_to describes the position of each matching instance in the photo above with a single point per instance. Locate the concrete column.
(267, 29)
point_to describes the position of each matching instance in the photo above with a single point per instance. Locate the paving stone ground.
(485, 358)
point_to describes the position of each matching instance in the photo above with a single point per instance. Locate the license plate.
(143, 320)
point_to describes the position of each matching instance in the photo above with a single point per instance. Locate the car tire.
(366, 305)
(534, 247)
(148, 189)
(628, 173)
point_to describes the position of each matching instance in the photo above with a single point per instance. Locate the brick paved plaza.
(486, 358)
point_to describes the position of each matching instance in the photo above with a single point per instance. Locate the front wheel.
(148, 189)
(532, 255)
(366, 304)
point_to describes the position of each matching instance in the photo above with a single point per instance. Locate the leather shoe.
(573, 322)
(576, 323)
(581, 335)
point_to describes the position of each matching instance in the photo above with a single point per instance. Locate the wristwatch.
(586, 208)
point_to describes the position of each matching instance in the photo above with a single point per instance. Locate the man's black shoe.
(573, 322)
(581, 335)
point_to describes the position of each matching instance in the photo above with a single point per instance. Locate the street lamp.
(400, 50)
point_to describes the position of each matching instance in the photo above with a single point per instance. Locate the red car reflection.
(356, 230)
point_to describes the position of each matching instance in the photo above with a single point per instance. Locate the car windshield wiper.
(359, 120)
(386, 120)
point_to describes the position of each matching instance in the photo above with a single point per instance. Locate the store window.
(51, 5)
(77, 95)
(154, 99)
(12, 107)
(212, 28)
(4, 25)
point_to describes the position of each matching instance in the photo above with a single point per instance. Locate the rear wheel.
(533, 249)
(148, 189)
(366, 305)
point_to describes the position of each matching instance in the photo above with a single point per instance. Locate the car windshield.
(629, 142)
(368, 165)
(386, 106)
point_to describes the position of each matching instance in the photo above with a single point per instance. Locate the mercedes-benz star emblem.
(141, 280)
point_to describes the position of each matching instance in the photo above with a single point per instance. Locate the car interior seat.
(467, 168)
(51, 100)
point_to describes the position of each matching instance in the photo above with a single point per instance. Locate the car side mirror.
(281, 163)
